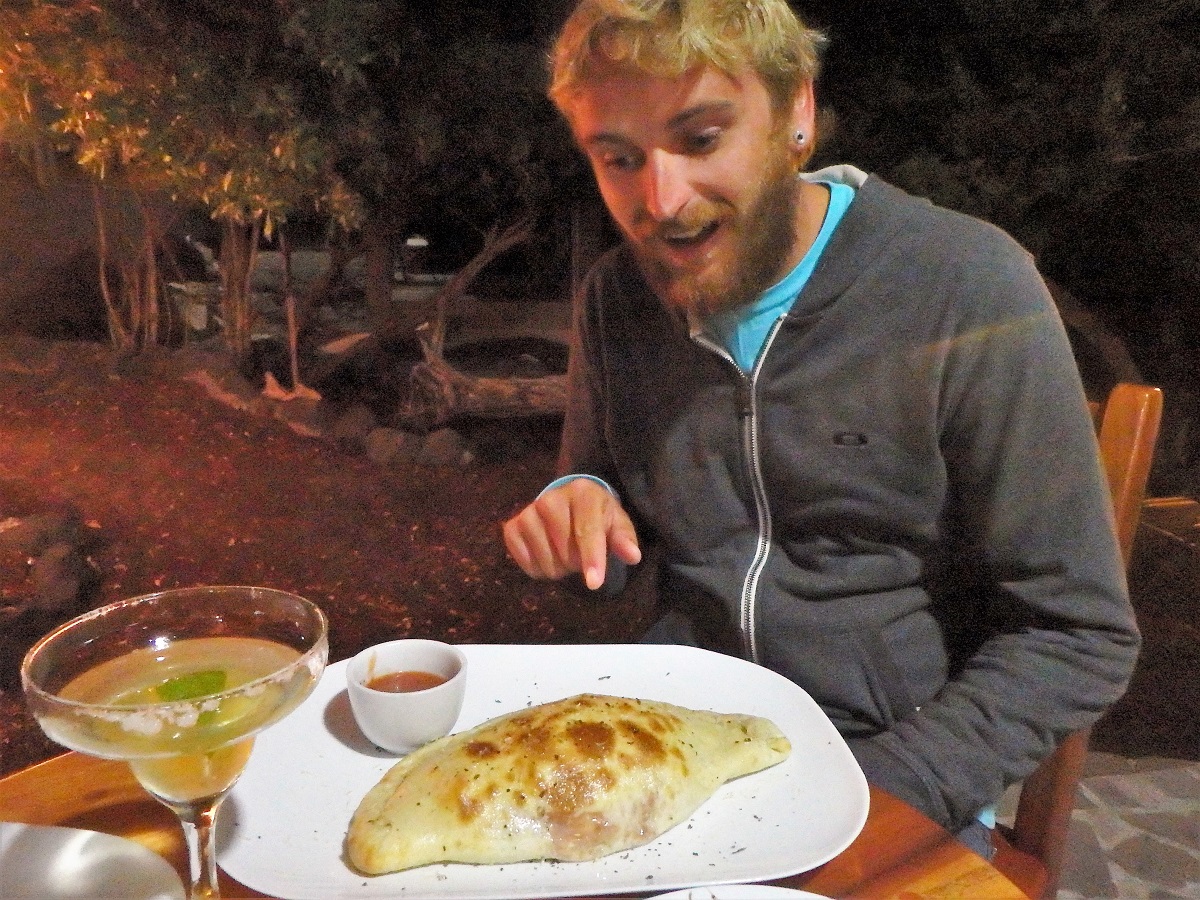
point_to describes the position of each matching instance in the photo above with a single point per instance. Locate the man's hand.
(572, 528)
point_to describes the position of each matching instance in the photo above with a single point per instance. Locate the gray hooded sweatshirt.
(901, 508)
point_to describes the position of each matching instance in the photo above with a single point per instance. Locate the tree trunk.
(130, 280)
(495, 244)
(378, 274)
(239, 250)
(441, 393)
(149, 290)
(118, 334)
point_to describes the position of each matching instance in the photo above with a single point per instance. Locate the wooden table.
(900, 853)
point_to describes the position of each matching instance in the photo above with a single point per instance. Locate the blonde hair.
(669, 37)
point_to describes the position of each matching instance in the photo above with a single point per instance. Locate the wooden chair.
(1031, 852)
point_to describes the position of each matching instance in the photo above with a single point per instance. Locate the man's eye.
(703, 141)
(620, 162)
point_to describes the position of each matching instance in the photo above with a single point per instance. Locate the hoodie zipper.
(748, 414)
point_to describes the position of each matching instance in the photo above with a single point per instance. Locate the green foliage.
(425, 122)
(163, 99)
(358, 110)
(184, 99)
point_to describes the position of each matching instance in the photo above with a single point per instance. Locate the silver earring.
(800, 138)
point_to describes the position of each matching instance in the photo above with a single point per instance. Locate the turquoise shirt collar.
(743, 331)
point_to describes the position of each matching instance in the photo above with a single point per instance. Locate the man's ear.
(803, 120)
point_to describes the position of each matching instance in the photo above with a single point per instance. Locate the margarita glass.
(177, 683)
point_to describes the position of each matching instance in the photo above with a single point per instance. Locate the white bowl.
(399, 722)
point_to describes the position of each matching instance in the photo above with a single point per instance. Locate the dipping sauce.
(405, 682)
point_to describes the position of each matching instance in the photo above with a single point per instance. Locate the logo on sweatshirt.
(850, 439)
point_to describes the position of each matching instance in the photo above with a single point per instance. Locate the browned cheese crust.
(575, 779)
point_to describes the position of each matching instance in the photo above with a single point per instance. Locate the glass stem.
(198, 818)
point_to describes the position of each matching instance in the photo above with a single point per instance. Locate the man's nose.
(667, 190)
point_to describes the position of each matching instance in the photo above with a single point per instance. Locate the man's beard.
(764, 236)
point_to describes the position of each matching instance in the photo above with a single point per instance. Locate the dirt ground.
(177, 489)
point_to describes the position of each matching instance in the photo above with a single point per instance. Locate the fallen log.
(475, 322)
(441, 393)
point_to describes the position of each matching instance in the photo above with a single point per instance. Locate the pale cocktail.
(178, 683)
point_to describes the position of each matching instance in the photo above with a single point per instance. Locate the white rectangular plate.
(281, 830)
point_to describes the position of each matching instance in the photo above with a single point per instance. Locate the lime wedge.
(189, 687)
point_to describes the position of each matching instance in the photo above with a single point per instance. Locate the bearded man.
(848, 422)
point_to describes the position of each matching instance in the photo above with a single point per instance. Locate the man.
(848, 421)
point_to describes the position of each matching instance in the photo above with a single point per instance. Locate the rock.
(352, 427)
(31, 535)
(388, 445)
(58, 577)
(445, 448)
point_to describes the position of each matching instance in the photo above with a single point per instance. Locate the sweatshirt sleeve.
(1031, 512)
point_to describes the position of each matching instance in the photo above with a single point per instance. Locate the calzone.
(575, 779)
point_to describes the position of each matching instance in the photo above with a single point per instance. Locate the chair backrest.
(1127, 427)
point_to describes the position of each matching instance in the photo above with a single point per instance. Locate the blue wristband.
(559, 482)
